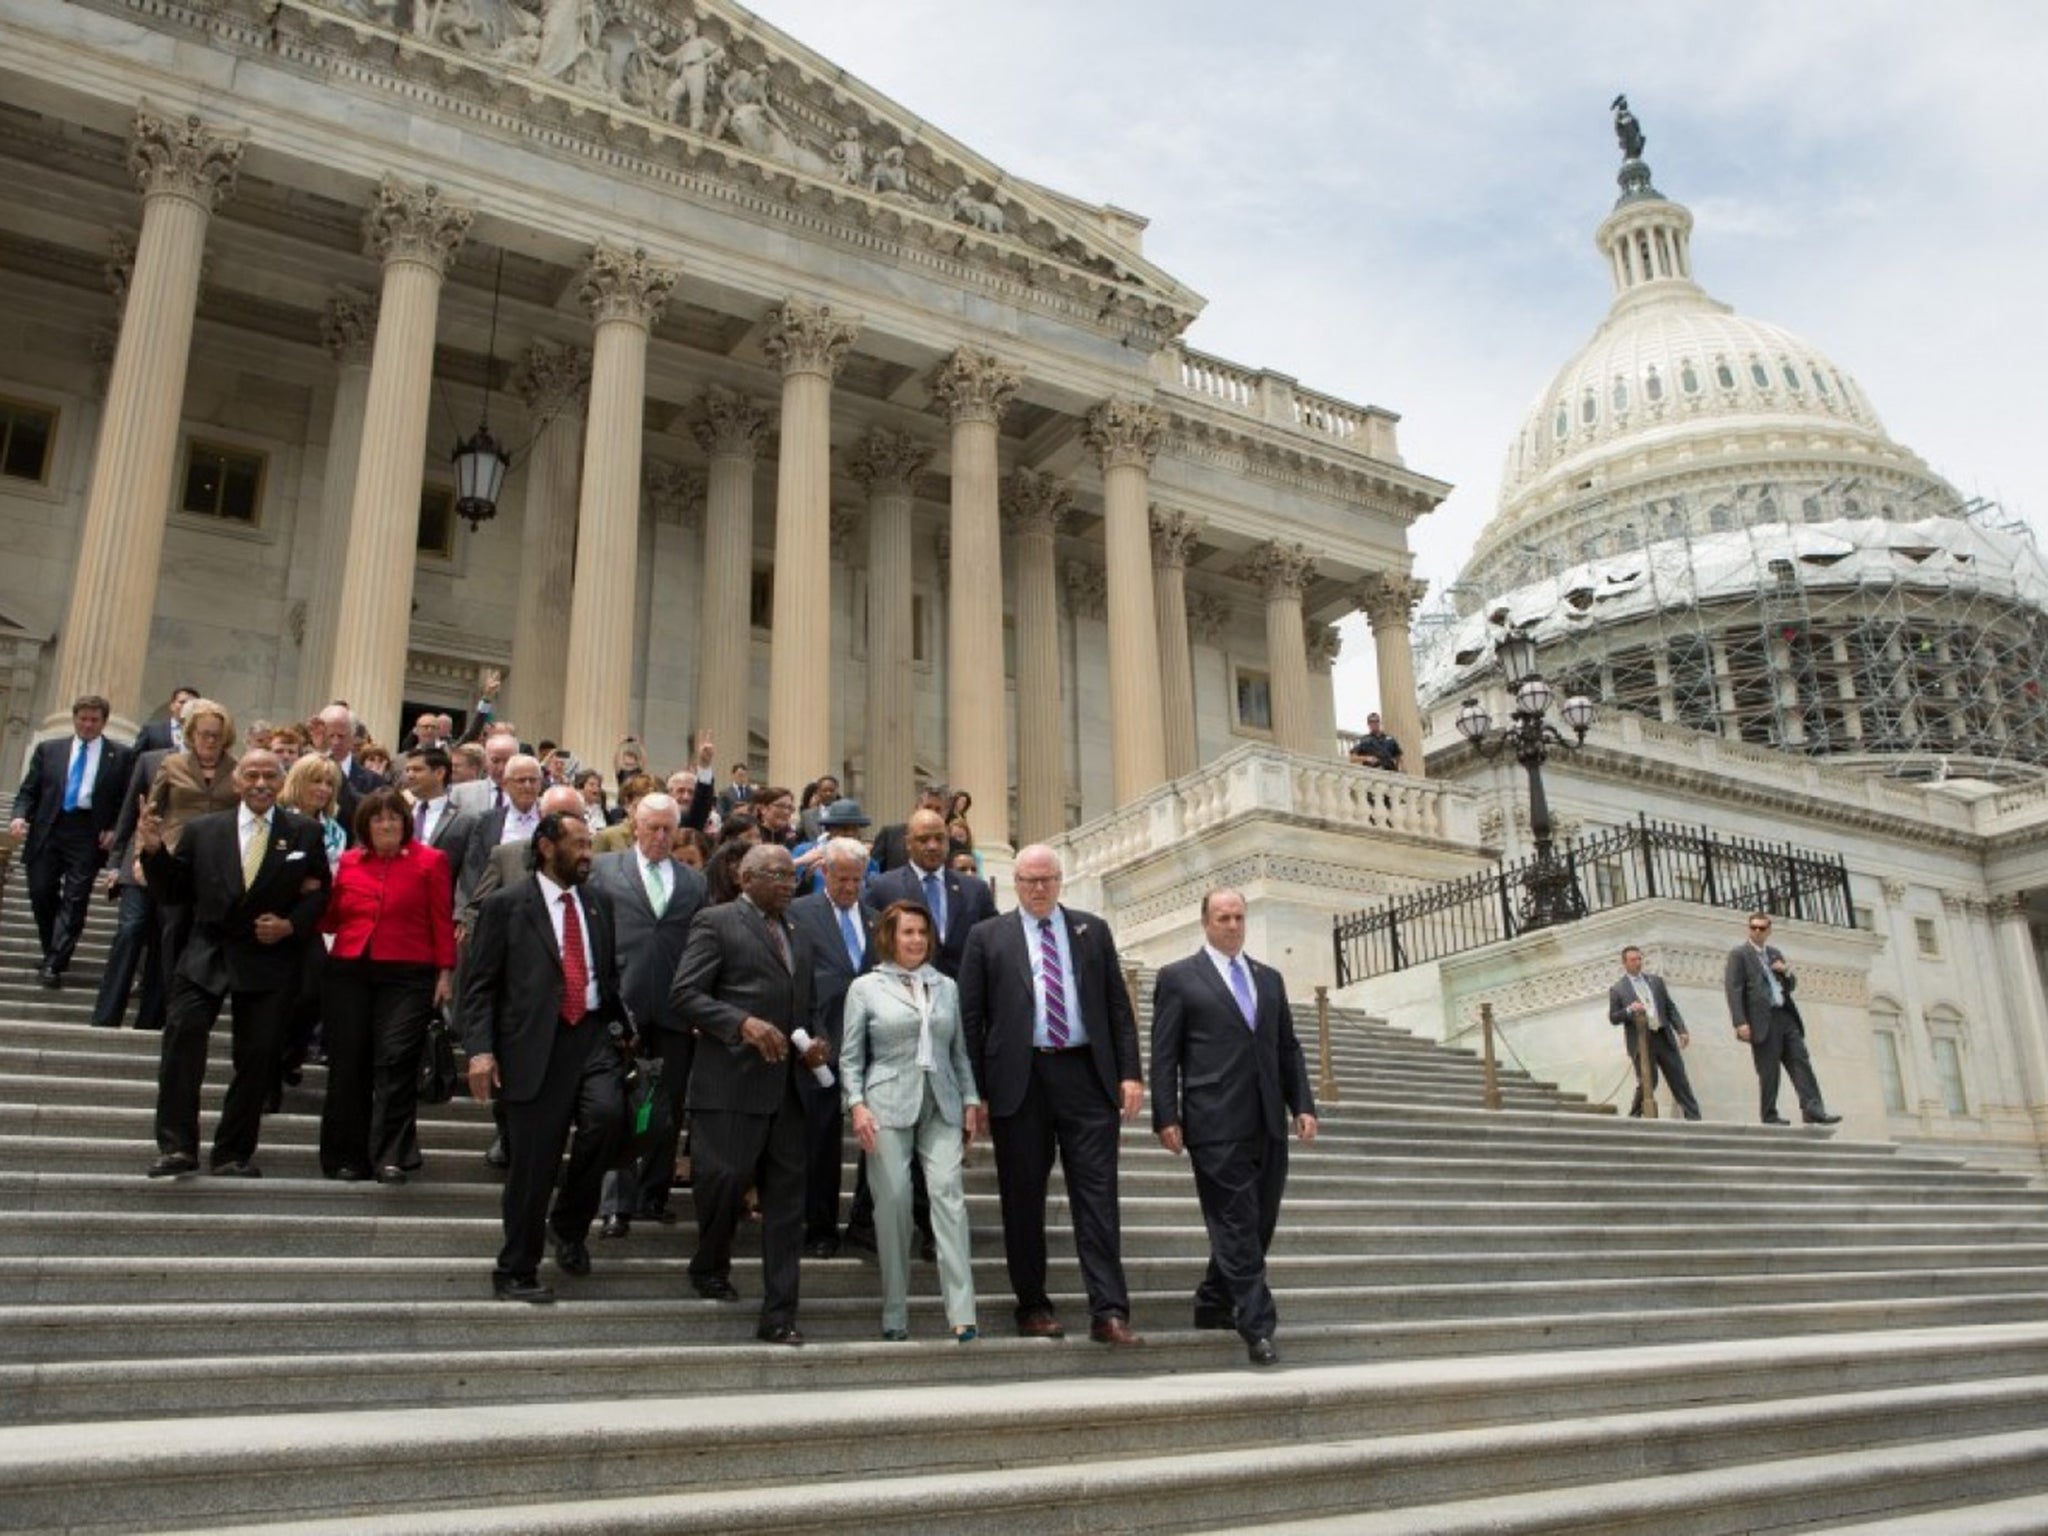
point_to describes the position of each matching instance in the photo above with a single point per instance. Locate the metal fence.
(1611, 868)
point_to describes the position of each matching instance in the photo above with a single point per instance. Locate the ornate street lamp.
(480, 463)
(1549, 893)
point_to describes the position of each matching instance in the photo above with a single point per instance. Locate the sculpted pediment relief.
(715, 88)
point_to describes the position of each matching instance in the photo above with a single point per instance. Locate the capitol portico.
(827, 436)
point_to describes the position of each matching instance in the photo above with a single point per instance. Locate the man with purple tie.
(1227, 1077)
(1054, 1044)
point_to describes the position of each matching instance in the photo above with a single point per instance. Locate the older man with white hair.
(833, 919)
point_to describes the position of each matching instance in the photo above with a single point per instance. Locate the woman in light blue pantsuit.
(910, 1093)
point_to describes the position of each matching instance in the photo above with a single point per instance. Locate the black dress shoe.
(1113, 1331)
(1823, 1118)
(928, 1249)
(1776, 1120)
(717, 1288)
(779, 1333)
(859, 1237)
(49, 980)
(572, 1258)
(391, 1173)
(173, 1165)
(1262, 1352)
(238, 1169)
(350, 1175)
(1215, 1317)
(521, 1288)
(498, 1157)
(615, 1226)
(822, 1248)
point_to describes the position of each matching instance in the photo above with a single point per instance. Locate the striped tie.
(1055, 988)
(252, 855)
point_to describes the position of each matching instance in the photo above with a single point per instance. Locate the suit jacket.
(998, 1000)
(1623, 993)
(892, 846)
(1749, 990)
(451, 835)
(729, 972)
(121, 856)
(355, 784)
(512, 982)
(832, 969)
(650, 947)
(478, 795)
(498, 867)
(879, 1068)
(484, 842)
(1213, 1077)
(729, 800)
(40, 799)
(156, 737)
(968, 901)
(223, 954)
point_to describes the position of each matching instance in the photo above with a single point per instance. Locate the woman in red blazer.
(392, 916)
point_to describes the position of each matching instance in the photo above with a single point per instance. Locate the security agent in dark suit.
(541, 1011)
(163, 734)
(745, 986)
(1640, 1002)
(892, 844)
(135, 951)
(65, 809)
(654, 898)
(1228, 1076)
(256, 879)
(437, 820)
(1759, 985)
(1054, 1044)
(836, 927)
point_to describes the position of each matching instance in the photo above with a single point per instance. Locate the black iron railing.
(1610, 868)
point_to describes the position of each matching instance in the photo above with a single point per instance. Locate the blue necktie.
(1241, 984)
(74, 786)
(935, 898)
(850, 932)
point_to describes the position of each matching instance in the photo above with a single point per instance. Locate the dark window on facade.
(26, 432)
(223, 482)
(436, 537)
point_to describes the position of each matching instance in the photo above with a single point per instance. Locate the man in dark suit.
(832, 920)
(892, 847)
(166, 732)
(66, 808)
(745, 987)
(1227, 1078)
(437, 820)
(256, 879)
(956, 901)
(1759, 985)
(1054, 1044)
(511, 824)
(738, 794)
(540, 1005)
(136, 947)
(1640, 1003)
(653, 898)
(357, 781)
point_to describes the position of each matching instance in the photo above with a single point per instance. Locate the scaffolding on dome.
(1918, 647)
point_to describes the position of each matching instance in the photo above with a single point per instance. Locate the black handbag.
(438, 1077)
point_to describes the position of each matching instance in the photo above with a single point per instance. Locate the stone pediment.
(706, 88)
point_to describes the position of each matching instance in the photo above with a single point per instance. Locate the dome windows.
(1791, 375)
(1820, 380)
(1689, 377)
(1653, 386)
(1723, 374)
(1589, 408)
(1620, 394)
(1759, 375)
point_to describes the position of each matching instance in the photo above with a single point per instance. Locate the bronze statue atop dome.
(1627, 130)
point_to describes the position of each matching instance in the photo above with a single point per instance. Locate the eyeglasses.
(1034, 880)
(1759, 927)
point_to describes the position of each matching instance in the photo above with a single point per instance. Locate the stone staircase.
(1532, 1320)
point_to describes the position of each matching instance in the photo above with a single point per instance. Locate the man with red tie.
(540, 994)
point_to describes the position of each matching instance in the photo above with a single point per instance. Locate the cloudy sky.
(1395, 203)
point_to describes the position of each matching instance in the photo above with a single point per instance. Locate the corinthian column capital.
(672, 492)
(1035, 505)
(1125, 432)
(1174, 535)
(1390, 598)
(551, 377)
(1325, 643)
(884, 461)
(414, 224)
(728, 424)
(808, 338)
(348, 325)
(120, 268)
(1279, 570)
(974, 386)
(619, 284)
(1208, 614)
(1087, 589)
(182, 158)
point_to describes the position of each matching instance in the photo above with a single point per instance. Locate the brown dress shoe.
(1112, 1330)
(1040, 1325)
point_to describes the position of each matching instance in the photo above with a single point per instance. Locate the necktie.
(1056, 1031)
(420, 822)
(1241, 985)
(1649, 1003)
(935, 898)
(778, 941)
(74, 784)
(575, 967)
(252, 853)
(849, 931)
(1763, 958)
(657, 887)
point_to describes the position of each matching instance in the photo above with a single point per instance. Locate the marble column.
(553, 380)
(348, 327)
(887, 465)
(416, 232)
(1035, 507)
(728, 428)
(808, 341)
(184, 170)
(1173, 536)
(625, 293)
(1125, 434)
(1282, 573)
(975, 388)
(1389, 601)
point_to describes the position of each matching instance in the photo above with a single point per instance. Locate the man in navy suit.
(837, 928)
(1054, 1044)
(66, 808)
(1227, 1077)
(256, 879)
(167, 734)
(956, 901)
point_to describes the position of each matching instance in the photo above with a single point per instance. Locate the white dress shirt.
(553, 892)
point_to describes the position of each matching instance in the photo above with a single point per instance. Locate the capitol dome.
(1703, 520)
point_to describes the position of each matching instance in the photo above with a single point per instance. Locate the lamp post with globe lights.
(1550, 894)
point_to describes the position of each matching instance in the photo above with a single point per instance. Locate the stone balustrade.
(1277, 400)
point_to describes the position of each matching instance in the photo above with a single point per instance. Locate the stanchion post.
(1645, 1095)
(1326, 1075)
(1492, 1067)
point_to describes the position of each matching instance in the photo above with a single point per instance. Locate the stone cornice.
(1278, 456)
